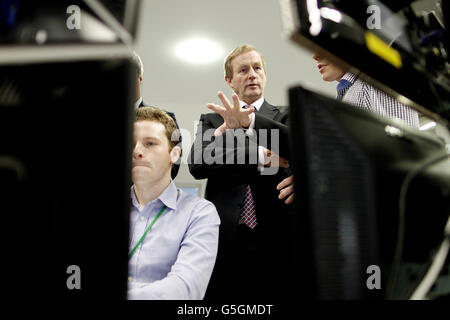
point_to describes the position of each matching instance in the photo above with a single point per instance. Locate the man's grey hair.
(137, 60)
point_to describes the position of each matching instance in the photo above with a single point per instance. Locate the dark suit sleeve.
(232, 154)
(176, 165)
(277, 132)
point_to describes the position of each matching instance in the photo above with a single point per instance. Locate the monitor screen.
(65, 152)
(349, 166)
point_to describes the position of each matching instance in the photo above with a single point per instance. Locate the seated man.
(173, 235)
(352, 89)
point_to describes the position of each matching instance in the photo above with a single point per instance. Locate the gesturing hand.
(233, 115)
(274, 160)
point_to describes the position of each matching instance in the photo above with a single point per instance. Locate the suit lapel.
(215, 119)
(268, 110)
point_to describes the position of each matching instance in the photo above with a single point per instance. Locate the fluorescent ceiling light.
(428, 125)
(199, 51)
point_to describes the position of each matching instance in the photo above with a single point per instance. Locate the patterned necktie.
(248, 215)
(342, 88)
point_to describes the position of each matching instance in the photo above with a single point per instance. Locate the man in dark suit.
(244, 166)
(140, 103)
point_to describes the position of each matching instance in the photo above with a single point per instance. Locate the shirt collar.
(257, 104)
(168, 197)
(349, 77)
(138, 103)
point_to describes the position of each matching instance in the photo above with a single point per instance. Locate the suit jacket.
(176, 166)
(227, 182)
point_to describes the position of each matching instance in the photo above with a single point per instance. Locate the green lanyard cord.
(145, 233)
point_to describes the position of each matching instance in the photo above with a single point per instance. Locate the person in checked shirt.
(352, 89)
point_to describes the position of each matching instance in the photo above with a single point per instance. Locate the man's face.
(328, 70)
(249, 76)
(151, 159)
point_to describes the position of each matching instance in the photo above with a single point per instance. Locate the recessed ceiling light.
(198, 51)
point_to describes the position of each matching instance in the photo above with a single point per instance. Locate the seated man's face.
(151, 159)
(328, 70)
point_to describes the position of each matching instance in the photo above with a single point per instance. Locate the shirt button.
(142, 218)
(130, 279)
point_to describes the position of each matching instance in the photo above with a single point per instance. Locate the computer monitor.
(65, 154)
(397, 46)
(67, 94)
(349, 167)
(27, 22)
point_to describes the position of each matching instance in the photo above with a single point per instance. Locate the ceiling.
(170, 81)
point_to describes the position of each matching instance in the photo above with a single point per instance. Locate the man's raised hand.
(233, 115)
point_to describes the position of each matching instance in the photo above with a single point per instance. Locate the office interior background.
(183, 82)
(183, 44)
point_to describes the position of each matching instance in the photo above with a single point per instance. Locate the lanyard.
(145, 233)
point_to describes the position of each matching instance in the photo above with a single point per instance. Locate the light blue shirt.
(176, 259)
